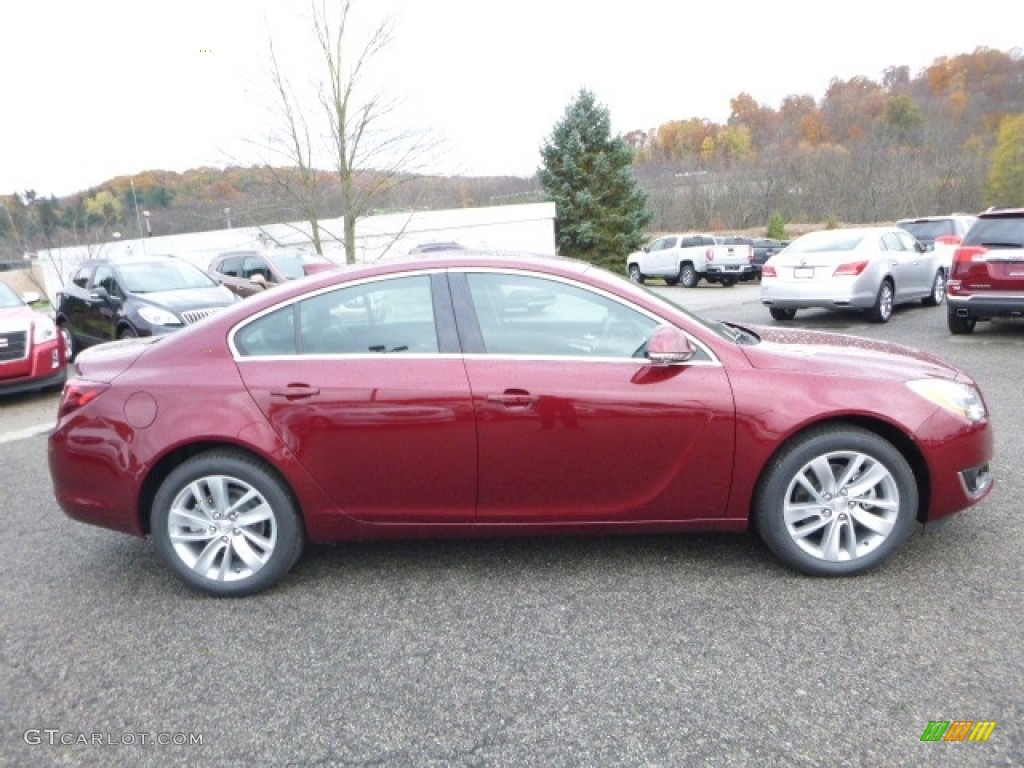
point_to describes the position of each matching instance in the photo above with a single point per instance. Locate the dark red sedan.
(421, 398)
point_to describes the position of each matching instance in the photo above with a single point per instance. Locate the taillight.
(850, 268)
(710, 254)
(948, 240)
(768, 271)
(964, 256)
(77, 393)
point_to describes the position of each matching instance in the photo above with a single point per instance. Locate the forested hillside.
(949, 138)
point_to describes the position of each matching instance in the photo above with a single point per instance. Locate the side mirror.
(259, 280)
(30, 298)
(669, 346)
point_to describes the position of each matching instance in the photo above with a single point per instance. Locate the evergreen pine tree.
(601, 212)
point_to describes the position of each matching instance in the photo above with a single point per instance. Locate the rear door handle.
(295, 391)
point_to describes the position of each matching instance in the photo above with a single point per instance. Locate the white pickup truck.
(686, 258)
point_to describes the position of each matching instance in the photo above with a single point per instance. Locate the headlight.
(43, 329)
(960, 399)
(157, 316)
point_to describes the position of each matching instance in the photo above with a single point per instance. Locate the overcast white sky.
(98, 89)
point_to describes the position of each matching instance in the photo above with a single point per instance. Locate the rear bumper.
(983, 307)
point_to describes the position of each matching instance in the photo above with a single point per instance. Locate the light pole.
(135, 200)
(227, 218)
(149, 227)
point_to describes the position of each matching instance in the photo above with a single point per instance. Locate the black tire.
(688, 276)
(635, 274)
(859, 525)
(671, 281)
(782, 313)
(881, 311)
(127, 332)
(959, 326)
(243, 557)
(938, 294)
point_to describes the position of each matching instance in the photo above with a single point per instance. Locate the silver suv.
(941, 234)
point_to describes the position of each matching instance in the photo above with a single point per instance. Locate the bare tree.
(369, 154)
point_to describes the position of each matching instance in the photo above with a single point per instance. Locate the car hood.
(189, 298)
(16, 315)
(836, 354)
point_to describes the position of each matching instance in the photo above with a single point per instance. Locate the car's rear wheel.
(836, 502)
(688, 276)
(635, 274)
(226, 524)
(938, 294)
(881, 311)
(959, 325)
(782, 313)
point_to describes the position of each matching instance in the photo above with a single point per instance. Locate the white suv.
(941, 234)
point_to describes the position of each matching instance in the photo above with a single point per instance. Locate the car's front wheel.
(837, 501)
(959, 325)
(70, 347)
(635, 274)
(226, 524)
(782, 313)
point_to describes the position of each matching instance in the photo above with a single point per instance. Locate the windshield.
(8, 297)
(170, 275)
(821, 242)
(290, 265)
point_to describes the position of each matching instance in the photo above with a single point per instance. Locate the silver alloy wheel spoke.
(841, 506)
(222, 528)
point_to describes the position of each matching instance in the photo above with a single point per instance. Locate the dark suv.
(987, 277)
(114, 299)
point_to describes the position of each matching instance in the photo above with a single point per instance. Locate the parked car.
(868, 268)
(762, 248)
(249, 272)
(143, 296)
(686, 259)
(612, 411)
(32, 350)
(941, 234)
(987, 278)
(436, 246)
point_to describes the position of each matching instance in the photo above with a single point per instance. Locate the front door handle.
(514, 398)
(295, 391)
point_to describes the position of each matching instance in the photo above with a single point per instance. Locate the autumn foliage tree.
(601, 212)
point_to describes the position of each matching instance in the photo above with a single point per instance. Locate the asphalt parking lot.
(632, 651)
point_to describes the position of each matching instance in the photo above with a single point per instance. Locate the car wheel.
(688, 276)
(959, 325)
(226, 524)
(782, 313)
(635, 274)
(127, 333)
(938, 294)
(671, 281)
(882, 309)
(836, 502)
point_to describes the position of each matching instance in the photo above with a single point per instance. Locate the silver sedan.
(867, 268)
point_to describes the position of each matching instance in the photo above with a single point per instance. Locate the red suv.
(987, 278)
